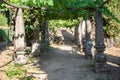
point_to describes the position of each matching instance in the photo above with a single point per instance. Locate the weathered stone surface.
(21, 59)
(19, 38)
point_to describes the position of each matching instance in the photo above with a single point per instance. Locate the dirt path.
(65, 62)
(64, 65)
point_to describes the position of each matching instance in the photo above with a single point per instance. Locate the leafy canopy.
(59, 3)
(112, 23)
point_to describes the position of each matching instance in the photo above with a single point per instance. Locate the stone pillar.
(83, 35)
(100, 57)
(47, 41)
(19, 39)
(89, 45)
(79, 40)
(76, 33)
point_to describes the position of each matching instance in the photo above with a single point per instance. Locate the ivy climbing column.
(100, 57)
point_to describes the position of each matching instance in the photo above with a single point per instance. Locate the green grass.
(16, 70)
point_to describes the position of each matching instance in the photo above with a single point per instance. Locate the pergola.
(100, 57)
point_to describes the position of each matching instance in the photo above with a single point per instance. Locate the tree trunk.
(19, 41)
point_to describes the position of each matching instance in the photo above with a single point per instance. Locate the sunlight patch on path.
(66, 49)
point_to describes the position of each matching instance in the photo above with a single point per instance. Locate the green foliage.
(39, 3)
(60, 3)
(59, 7)
(108, 13)
(63, 23)
(17, 2)
(111, 18)
(29, 34)
(83, 3)
(29, 19)
(31, 3)
(4, 34)
(16, 70)
(111, 27)
(3, 20)
(60, 16)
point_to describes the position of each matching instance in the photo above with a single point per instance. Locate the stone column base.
(101, 67)
(21, 58)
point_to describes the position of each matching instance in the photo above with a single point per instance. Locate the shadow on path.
(65, 62)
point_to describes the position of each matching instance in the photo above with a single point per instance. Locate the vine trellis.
(100, 57)
(49, 8)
